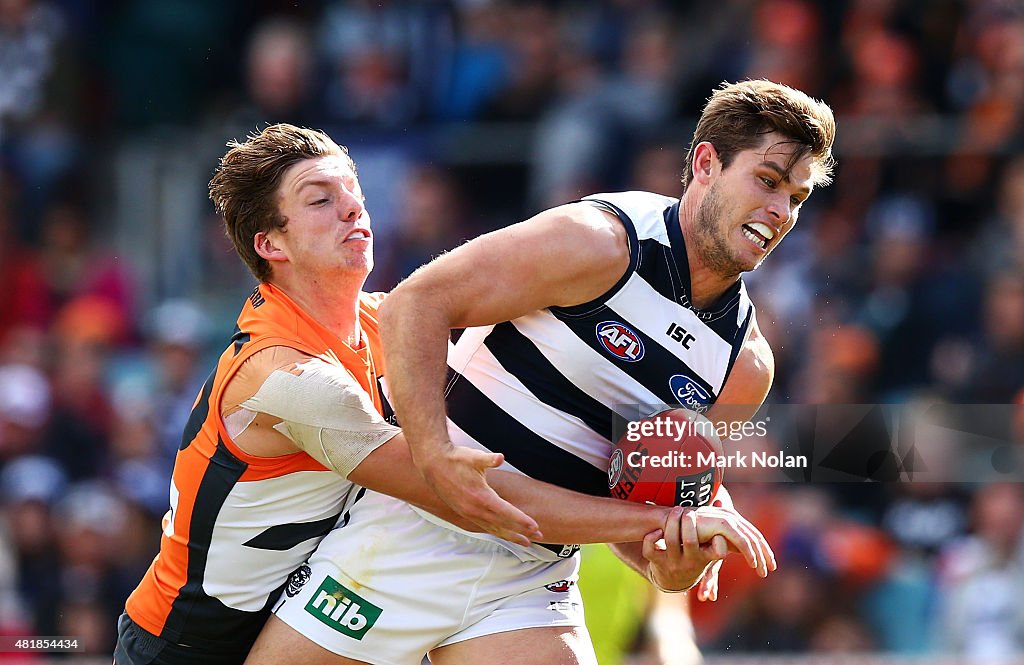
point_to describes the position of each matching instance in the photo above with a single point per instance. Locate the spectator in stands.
(981, 616)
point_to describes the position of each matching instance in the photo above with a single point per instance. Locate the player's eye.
(319, 202)
(768, 182)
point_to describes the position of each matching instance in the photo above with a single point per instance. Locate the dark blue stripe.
(387, 411)
(239, 339)
(740, 337)
(658, 265)
(727, 328)
(347, 517)
(520, 358)
(483, 420)
(658, 268)
(286, 536)
(199, 414)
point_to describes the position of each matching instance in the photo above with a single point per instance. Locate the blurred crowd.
(904, 280)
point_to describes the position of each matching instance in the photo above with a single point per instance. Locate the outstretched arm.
(564, 516)
(563, 256)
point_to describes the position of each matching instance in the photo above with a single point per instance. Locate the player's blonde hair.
(244, 186)
(738, 115)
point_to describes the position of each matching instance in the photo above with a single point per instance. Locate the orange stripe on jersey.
(222, 562)
(279, 466)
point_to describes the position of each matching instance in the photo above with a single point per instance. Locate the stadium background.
(902, 281)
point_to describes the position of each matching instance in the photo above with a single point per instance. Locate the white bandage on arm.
(325, 412)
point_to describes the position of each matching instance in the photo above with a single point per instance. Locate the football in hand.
(669, 459)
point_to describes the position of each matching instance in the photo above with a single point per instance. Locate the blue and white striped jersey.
(543, 389)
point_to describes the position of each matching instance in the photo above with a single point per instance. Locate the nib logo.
(342, 610)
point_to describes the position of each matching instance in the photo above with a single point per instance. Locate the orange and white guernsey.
(240, 524)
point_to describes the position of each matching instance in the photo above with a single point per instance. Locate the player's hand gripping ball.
(668, 459)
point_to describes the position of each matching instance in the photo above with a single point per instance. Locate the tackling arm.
(309, 404)
(564, 516)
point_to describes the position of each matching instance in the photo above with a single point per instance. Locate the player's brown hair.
(244, 186)
(738, 115)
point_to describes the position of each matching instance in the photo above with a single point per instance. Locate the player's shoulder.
(255, 369)
(632, 200)
(589, 230)
(372, 301)
(275, 357)
(753, 373)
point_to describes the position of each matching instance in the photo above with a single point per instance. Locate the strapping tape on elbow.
(325, 412)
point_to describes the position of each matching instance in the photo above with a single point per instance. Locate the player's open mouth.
(758, 233)
(359, 234)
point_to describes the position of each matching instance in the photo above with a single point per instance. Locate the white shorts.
(389, 586)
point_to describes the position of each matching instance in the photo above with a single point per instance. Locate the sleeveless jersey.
(544, 389)
(240, 524)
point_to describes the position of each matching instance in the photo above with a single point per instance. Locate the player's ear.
(705, 161)
(267, 248)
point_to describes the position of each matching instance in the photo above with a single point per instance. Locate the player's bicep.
(561, 257)
(324, 411)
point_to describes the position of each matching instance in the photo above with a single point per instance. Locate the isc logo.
(679, 334)
(620, 341)
(342, 610)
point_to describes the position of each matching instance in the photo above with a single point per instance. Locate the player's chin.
(752, 261)
(359, 265)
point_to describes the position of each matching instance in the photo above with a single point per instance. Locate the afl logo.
(615, 468)
(620, 341)
(689, 393)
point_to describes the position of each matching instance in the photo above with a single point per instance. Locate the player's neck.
(707, 284)
(335, 308)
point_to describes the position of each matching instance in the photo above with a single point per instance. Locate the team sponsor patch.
(615, 466)
(343, 610)
(297, 580)
(689, 393)
(620, 340)
(560, 586)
